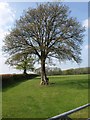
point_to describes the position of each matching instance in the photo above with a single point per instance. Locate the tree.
(48, 31)
(21, 61)
(50, 71)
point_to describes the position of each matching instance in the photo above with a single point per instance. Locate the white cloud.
(3, 33)
(87, 46)
(6, 14)
(7, 17)
(86, 23)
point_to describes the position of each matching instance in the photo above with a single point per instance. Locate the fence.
(64, 116)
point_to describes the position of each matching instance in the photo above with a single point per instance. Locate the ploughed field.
(28, 99)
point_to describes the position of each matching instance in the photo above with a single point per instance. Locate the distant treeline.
(76, 71)
(58, 71)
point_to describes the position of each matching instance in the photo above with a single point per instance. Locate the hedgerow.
(9, 79)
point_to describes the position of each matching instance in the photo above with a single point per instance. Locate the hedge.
(9, 79)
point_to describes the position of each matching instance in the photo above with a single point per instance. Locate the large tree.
(48, 31)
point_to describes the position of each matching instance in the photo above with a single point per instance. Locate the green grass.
(30, 100)
(0, 104)
(84, 113)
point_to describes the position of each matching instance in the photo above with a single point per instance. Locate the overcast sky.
(11, 11)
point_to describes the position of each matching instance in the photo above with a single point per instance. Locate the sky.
(11, 11)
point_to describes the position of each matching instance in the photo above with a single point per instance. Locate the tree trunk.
(25, 72)
(44, 79)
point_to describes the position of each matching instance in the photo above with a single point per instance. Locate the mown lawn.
(84, 113)
(0, 104)
(30, 100)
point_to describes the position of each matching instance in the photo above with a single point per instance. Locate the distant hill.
(85, 70)
(58, 71)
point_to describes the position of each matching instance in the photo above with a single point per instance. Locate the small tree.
(21, 61)
(47, 31)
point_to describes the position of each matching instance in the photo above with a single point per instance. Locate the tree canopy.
(46, 31)
(21, 61)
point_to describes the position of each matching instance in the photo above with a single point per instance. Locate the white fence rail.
(64, 116)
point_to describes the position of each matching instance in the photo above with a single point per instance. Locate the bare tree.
(48, 31)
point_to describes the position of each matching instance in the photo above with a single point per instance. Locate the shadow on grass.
(78, 84)
(66, 82)
(9, 81)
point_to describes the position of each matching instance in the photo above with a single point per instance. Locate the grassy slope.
(30, 100)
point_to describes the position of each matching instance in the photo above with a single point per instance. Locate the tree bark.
(44, 79)
(25, 72)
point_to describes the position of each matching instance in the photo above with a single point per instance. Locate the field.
(30, 100)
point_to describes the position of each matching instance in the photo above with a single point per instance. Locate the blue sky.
(11, 11)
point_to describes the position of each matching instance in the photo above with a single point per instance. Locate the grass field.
(0, 104)
(30, 100)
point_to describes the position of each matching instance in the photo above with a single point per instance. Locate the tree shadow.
(15, 80)
(78, 84)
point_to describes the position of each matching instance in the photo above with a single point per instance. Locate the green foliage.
(30, 100)
(21, 61)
